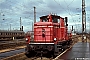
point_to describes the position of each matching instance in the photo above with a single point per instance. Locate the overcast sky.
(12, 10)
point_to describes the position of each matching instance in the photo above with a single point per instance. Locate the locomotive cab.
(46, 30)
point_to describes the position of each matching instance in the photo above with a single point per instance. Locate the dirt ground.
(85, 40)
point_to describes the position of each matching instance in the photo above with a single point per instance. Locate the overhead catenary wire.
(68, 10)
(71, 13)
(69, 5)
(63, 8)
(17, 8)
(21, 5)
(10, 11)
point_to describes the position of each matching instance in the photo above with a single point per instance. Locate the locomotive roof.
(48, 15)
(11, 31)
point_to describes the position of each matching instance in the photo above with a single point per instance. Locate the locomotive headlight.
(26, 39)
(55, 39)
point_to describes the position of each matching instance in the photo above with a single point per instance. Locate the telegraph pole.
(83, 19)
(10, 27)
(20, 24)
(32, 26)
(34, 14)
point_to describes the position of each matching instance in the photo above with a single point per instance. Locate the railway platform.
(79, 51)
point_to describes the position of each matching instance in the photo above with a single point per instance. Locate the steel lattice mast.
(83, 18)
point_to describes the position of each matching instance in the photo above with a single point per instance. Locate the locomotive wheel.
(49, 54)
(28, 55)
(55, 55)
(26, 52)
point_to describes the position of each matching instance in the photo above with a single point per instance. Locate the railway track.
(10, 54)
(11, 44)
(20, 55)
(39, 58)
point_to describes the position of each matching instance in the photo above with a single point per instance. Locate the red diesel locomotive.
(50, 36)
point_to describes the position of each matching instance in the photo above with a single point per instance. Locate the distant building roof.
(11, 31)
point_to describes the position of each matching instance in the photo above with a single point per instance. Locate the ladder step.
(59, 45)
(59, 48)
